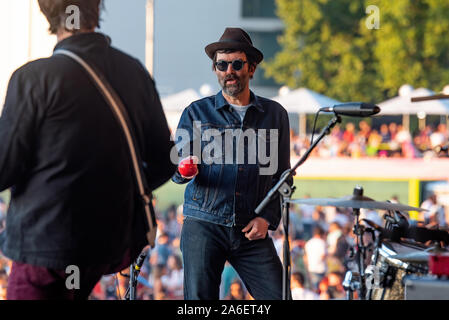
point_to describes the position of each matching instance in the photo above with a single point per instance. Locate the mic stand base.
(285, 194)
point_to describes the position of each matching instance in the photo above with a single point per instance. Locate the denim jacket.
(229, 187)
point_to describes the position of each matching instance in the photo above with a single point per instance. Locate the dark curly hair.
(55, 12)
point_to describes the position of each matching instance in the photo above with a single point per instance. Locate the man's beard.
(232, 90)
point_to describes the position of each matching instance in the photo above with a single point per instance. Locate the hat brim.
(221, 45)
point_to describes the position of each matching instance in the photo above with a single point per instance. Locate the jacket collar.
(221, 102)
(84, 42)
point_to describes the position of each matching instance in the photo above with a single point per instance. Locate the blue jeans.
(206, 247)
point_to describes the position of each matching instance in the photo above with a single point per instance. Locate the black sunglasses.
(237, 65)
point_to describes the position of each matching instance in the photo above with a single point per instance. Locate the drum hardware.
(354, 282)
(392, 258)
(396, 257)
(351, 283)
(357, 201)
(373, 225)
(391, 270)
(416, 257)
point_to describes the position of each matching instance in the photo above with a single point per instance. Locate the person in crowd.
(74, 199)
(315, 257)
(404, 140)
(161, 251)
(385, 133)
(373, 143)
(435, 213)
(299, 292)
(227, 277)
(172, 226)
(307, 218)
(110, 288)
(236, 292)
(173, 280)
(335, 142)
(295, 222)
(337, 244)
(349, 133)
(98, 292)
(335, 288)
(439, 137)
(323, 287)
(155, 280)
(342, 216)
(319, 218)
(3, 284)
(365, 130)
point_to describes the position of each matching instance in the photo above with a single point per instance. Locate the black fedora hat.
(234, 38)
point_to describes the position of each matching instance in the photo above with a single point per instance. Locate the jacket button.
(241, 169)
(238, 194)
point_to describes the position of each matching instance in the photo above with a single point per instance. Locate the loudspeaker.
(426, 288)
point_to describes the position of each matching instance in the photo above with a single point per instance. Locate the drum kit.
(397, 250)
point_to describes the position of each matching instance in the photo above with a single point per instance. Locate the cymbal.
(356, 202)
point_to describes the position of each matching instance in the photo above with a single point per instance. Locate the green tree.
(327, 47)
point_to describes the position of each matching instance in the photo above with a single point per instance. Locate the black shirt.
(64, 156)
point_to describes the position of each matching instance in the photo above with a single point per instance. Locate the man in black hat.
(241, 143)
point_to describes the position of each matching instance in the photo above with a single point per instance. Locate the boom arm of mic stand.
(291, 172)
(285, 191)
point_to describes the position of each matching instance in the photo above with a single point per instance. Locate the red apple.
(188, 167)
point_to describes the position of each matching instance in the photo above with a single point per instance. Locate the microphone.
(140, 260)
(353, 109)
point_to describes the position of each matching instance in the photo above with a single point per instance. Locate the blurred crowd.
(390, 140)
(321, 248)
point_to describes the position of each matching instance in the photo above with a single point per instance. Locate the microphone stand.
(134, 271)
(285, 190)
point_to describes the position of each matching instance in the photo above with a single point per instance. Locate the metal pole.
(30, 30)
(286, 256)
(149, 42)
(360, 253)
(302, 125)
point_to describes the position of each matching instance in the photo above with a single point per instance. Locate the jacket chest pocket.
(207, 185)
(209, 179)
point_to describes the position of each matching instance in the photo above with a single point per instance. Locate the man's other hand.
(256, 229)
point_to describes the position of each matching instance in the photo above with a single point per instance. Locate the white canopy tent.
(175, 104)
(303, 101)
(179, 101)
(402, 105)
